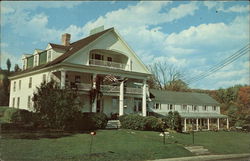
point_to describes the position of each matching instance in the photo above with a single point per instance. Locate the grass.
(221, 142)
(118, 145)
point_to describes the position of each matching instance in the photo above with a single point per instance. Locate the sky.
(191, 35)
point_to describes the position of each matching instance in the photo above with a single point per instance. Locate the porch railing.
(109, 64)
(131, 90)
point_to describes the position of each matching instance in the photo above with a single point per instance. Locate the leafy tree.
(177, 85)
(16, 68)
(8, 63)
(56, 107)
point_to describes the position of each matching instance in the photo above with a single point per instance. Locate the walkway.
(229, 157)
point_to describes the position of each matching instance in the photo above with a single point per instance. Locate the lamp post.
(93, 133)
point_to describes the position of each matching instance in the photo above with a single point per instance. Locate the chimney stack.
(66, 39)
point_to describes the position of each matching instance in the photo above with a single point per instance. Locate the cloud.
(219, 6)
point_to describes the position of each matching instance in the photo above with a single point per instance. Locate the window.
(114, 102)
(109, 59)
(18, 102)
(157, 106)
(214, 108)
(194, 107)
(20, 83)
(170, 107)
(184, 107)
(30, 82)
(49, 56)
(204, 108)
(35, 57)
(77, 79)
(13, 102)
(29, 102)
(44, 77)
(14, 87)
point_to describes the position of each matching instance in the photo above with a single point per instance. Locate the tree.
(56, 107)
(173, 121)
(8, 63)
(166, 77)
(16, 68)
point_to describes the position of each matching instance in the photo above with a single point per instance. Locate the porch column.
(208, 124)
(121, 99)
(63, 75)
(218, 123)
(227, 124)
(197, 124)
(144, 99)
(185, 124)
(94, 87)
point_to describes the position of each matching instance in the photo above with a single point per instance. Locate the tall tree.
(167, 76)
(8, 63)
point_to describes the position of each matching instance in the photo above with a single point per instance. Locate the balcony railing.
(104, 88)
(109, 64)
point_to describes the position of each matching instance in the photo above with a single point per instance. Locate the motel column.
(218, 123)
(144, 99)
(63, 76)
(227, 123)
(185, 124)
(197, 124)
(95, 99)
(121, 99)
(208, 128)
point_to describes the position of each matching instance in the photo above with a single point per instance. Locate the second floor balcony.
(109, 64)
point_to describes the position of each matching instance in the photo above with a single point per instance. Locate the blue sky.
(193, 36)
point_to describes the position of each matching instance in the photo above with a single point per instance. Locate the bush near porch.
(137, 122)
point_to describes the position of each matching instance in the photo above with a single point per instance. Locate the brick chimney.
(66, 39)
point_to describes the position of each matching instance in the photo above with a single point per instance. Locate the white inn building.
(104, 60)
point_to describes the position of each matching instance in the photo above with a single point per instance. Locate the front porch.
(120, 88)
(205, 122)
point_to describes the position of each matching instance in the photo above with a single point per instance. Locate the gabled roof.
(70, 50)
(188, 98)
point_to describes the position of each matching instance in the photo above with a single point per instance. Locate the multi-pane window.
(20, 83)
(114, 102)
(18, 102)
(204, 108)
(171, 107)
(29, 102)
(30, 82)
(14, 87)
(184, 107)
(194, 107)
(157, 106)
(214, 108)
(109, 58)
(77, 79)
(49, 56)
(13, 102)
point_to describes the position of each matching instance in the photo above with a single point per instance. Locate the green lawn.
(115, 145)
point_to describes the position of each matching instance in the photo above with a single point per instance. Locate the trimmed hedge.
(137, 122)
(88, 121)
(13, 115)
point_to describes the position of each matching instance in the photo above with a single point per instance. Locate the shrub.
(88, 121)
(132, 121)
(13, 115)
(173, 121)
(137, 122)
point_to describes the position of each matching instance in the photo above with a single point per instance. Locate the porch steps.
(197, 150)
(113, 124)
